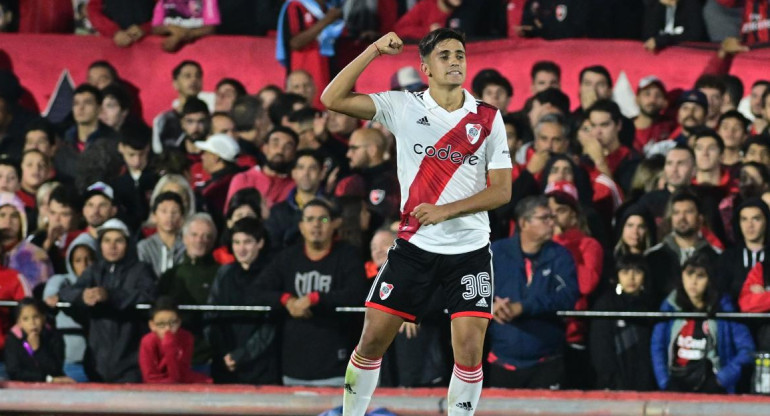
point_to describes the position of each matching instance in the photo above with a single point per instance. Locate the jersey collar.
(469, 104)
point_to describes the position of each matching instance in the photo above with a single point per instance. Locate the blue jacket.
(735, 347)
(538, 333)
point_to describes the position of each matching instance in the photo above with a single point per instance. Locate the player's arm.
(497, 193)
(339, 96)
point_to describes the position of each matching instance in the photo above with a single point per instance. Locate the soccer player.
(454, 165)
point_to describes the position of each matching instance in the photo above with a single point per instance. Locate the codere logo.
(446, 153)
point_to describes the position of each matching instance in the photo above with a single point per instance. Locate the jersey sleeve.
(390, 105)
(497, 152)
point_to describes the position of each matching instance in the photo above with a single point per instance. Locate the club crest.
(376, 196)
(385, 290)
(561, 12)
(473, 132)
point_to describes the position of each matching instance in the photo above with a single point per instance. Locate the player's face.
(446, 63)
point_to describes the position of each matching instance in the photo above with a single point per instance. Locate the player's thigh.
(380, 328)
(468, 283)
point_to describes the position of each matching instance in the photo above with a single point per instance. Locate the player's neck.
(448, 98)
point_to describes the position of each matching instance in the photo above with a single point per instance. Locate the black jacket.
(47, 360)
(556, 19)
(116, 327)
(687, 25)
(133, 197)
(319, 347)
(736, 262)
(250, 338)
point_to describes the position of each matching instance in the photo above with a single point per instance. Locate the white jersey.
(443, 157)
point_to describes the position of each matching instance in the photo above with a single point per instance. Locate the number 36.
(476, 285)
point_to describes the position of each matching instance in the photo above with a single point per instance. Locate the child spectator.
(620, 348)
(12, 287)
(166, 352)
(164, 249)
(33, 351)
(80, 255)
(10, 172)
(244, 345)
(184, 21)
(137, 180)
(35, 169)
(699, 355)
(247, 202)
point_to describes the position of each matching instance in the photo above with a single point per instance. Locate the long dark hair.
(710, 296)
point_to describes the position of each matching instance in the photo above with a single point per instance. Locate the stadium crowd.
(264, 198)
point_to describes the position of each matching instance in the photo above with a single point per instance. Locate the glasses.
(544, 218)
(323, 220)
(168, 324)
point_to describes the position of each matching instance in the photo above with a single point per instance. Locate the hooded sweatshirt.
(69, 320)
(31, 261)
(736, 262)
(153, 251)
(115, 326)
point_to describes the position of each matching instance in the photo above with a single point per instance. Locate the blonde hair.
(188, 198)
(41, 199)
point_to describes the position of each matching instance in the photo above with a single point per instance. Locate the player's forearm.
(486, 200)
(342, 85)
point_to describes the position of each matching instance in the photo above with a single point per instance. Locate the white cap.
(113, 224)
(100, 188)
(221, 145)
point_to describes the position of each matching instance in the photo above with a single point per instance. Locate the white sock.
(464, 390)
(360, 381)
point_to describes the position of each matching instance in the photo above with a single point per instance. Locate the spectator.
(41, 136)
(282, 226)
(407, 79)
(247, 202)
(117, 112)
(164, 249)
(309, 124)
(13, 286)
(757, 104)
(283, 105)
(33, 351)
(496, 91)
(179, 185)
(677, 174)
(553, 19)
(189, 281)
(732, 128)
(619, 161)
(596, 84)
(244, 346)
(125, 24)
(571, 231)
(381, 242)
(699, 355)
(310, 279)
(10, 172)
(110, 290)
(98, 207)
(137, 180)
(196, 121)
(228, 90)
(251, 125)
(709, 175)
(300, 82)
(651, 124)
(751, 224)
(13, 117)
(218, 158)
(355, 222)
(549, 101)
(341, 126)
(635, 232)
(166, 352)
(758, 150)
(61, 228)
(272, 179)
(307, 31)
(29, 260)
(35, 169)
(373, 177)
(685, 219)
(535, 278)
(545, 75)
(713, 87)
(184, 22)
(733, 92)
(222, 123)
(80, 255)
(167, 127)
(86, 105)
(620, 348)
(693, 108)
(670, 22)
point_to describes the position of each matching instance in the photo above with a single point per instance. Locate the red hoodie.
(168, 360)
(754, 302)
(588, 255)
(12, 287)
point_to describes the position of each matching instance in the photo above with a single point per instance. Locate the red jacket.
(417, 21)
(168, 360)
(12, 287)
(589, 257)
(754, 302)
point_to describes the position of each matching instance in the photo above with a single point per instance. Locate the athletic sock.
(464, 390)
(360, 381)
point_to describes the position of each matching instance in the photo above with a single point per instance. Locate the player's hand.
(389, 44)
(410, 329)
(429, 214)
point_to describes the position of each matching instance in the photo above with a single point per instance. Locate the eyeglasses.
(544, 218)
(168, 324)
(323, 219)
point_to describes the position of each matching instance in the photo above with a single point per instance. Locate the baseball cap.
(113, 224)
(407, 78)
(565, 192)
(221, 145)
(694, 96)
(650, 81)
(99, 188)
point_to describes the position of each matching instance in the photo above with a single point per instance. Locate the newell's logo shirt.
(443, 157)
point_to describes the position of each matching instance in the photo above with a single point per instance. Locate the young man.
(218, 159)
(708, 148)
(86, 105)
(164, 249)
(98, 207)
(691, 115)
(619, 161)
(714, 89)
(651, 125)
(733, 128)
(63, 210)
(752, 219)
(450, 147)
(134, 186)
(188, 81)
(545, 74)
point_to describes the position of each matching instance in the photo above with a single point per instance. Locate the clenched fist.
(389, 44)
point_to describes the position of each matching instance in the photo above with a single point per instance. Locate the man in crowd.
(496, 90)
(251, 125)
(713, 87)
(98, 207)
(301, 83)
(61, 230)
(751, 231)
(227, 91)
(596, 84)
(86, 105)
(651, 125)
(218, 156)
(545, 74)
(134, 186)
(693, 108)
(619, 161)
(757, 104)
(188, 82)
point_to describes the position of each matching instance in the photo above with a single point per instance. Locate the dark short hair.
(699, 260)
(763, 82)
(106, 65)
(42, 124)
(250, 226)
(168, 196)
(66, 196)
(317, 202)
(759, 140)
(631, 262)
(285, 130)
(134, 137)
(686, 195)
(250, 197)
(178, 69)
(597, 69)
(733, 87)
(545, 66)
(519, 124)
(428, 43)
(245, 112)
(240, 90)
(555, 97)
(686, 148)
(29, 301)
(763, 172)
(711, 81)
(164, 304)
(222, 114)
(194, 105)
(496, 80)
(89, 89)
(736, 115)
(527, 206)
(764, 97)
(303, 115)
(283, 106)
(308, 153)
(6, 160)
(707, 132)
(120, 95)
(606, 106)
